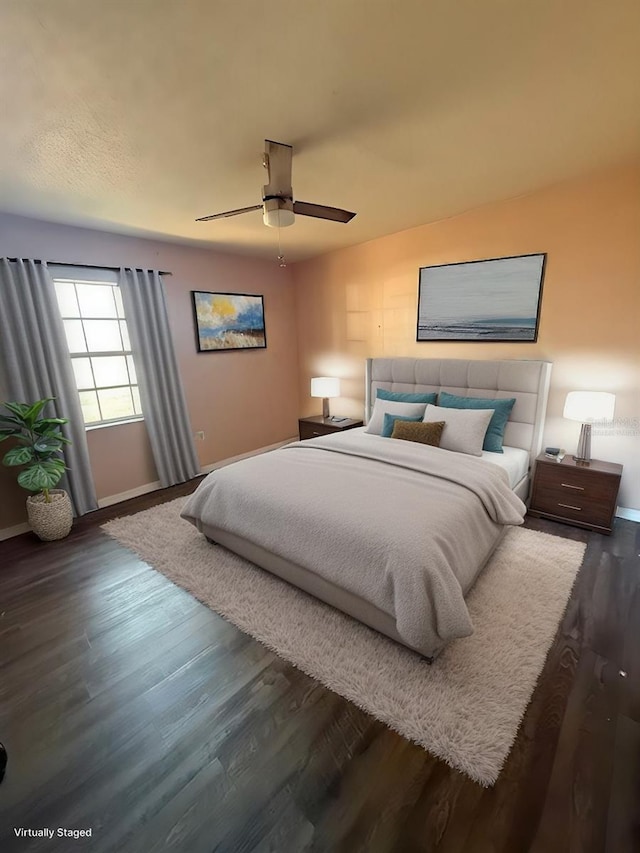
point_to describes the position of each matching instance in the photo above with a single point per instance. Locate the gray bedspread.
(405, 526)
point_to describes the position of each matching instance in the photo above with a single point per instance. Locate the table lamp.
(588, 406)
(325, 387)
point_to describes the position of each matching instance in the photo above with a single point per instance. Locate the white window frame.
(88, 275)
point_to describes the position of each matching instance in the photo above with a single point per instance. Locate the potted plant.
(38, 449)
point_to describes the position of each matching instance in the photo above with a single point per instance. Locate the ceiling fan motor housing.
(278, 212)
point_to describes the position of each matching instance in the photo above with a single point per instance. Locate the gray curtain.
(36, 359)
(161, 394)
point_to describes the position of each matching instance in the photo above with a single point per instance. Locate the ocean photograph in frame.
(228, 321)
(491, 300)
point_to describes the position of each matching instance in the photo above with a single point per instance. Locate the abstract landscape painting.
(493, 300)
(228, 321)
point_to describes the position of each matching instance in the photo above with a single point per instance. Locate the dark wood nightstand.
(317, 425)
(575, 493)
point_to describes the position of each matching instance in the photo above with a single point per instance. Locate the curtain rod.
(87, 266)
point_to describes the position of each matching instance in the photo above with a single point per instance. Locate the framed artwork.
(493, 300)
(228, 321)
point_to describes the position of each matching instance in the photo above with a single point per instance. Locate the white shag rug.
(465, 708)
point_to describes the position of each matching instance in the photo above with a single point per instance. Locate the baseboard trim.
(16, 530)
(629, 514)
(125, 496)
(221, 464)
(152, 487)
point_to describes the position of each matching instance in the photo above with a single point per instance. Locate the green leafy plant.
(38, 446)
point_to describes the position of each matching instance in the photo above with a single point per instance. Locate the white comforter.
(405, 526)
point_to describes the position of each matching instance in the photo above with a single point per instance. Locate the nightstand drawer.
(576, 481)
(314, 430)
(315, 426)
(570, 503)
(568, 492)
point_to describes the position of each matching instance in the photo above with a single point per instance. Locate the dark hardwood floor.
(130, 709)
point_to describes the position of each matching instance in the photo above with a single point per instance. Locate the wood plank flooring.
(130, 709)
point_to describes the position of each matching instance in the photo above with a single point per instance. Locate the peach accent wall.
(361, 302)
(241, 400)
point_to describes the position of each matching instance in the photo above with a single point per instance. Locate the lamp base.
(325, 408)
(583, 452)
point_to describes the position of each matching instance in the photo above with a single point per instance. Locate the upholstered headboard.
(527, 381)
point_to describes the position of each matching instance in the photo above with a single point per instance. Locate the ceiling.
(137, 116)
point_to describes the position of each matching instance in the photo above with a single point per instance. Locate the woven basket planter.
(52, 520)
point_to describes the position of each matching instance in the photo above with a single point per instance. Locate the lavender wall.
(241, 400)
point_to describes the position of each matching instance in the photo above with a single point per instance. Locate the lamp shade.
(588, 406)
(325, 386)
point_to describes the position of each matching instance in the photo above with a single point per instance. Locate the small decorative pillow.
(502, 410)
(464, 430)
(423, 433)
(391, 420)
(376, 422)
(402, 397)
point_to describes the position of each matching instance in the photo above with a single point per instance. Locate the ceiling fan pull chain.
(281, 259)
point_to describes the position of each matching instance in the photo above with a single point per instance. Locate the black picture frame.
(245, 329)
(463, 301)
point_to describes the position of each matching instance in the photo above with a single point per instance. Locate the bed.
(391, 533)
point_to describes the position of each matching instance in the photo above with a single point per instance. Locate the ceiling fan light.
(278, 213)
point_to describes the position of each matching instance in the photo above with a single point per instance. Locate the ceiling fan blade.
(304, 208)
(277, 158)
(229, 213)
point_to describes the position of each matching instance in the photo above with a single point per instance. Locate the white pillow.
(464, 429)
(391, 407)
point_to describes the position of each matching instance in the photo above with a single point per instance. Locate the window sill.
(91, 427)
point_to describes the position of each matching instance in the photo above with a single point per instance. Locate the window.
(98, 339)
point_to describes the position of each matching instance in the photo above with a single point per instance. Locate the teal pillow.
(495, 430)
(390, 422)
(401, 397)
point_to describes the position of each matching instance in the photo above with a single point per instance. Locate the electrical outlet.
(199, 435)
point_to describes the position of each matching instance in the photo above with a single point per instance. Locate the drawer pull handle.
(316, 433)
(569, 506)
(569, 486)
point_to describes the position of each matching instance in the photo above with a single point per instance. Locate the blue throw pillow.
(390, 420)
(495, 430)
(401, 397)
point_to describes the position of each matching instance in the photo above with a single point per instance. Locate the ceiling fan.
(278, 207)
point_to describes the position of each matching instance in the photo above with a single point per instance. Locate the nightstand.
(575, 493)
(317, 425)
